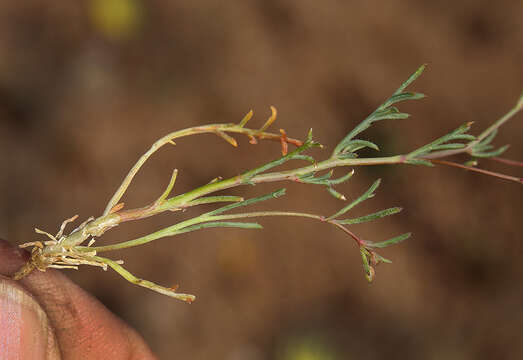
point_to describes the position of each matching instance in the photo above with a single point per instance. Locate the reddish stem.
(507, 161)
(482, 171)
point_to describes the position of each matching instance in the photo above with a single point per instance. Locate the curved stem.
(213, 128)
(482, 171)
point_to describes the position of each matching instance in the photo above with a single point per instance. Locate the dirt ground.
(86, 87)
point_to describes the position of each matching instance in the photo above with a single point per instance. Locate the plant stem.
(179, 228)
(213, 128)
(482, 171)
(445, 153)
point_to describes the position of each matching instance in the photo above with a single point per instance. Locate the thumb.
(24, 327)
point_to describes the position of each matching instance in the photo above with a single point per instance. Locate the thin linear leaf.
(449, 146)
(319, 180)
(227, 138)
(342, 179)
(402, 97)
(371, 217)
(391, 113)
(169, 188)
(294, 155)
(215, 199)
(419, 162)
(246, 118)
(343, 156)
(464, 137)
(271, 119)
(489, 138)
(411, 79)
(355, 145)
(366, 195)
(304, 157)
(392, 241)
(273, 195)
(457, 134)
(488, 154)
(336, 194)
(213, 224)
(482, 148)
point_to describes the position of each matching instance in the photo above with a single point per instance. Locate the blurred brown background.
(87, 86)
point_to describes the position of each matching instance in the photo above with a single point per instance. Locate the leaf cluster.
(347, 147)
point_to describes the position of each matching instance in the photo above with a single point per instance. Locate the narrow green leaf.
(449, 146)
(489, 138)
(273, 195)
(488, 154)
(389, 242)
(520, 102)
(482, 148)
(342, 179)
(304, 157)
(402, 97)
(213, 224)
(347, 155)
(322, 178)
(388, 115)
(355, 145)
(464, 137)
(419, 162)
(411, 79)
(366, 195)
(371, 217)
(290, 156)
(336, 194)
(457, 134)
(306, 176)
(215, 199)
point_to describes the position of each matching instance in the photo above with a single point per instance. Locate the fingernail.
(24, 327)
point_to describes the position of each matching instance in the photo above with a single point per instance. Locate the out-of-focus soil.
(80, 101)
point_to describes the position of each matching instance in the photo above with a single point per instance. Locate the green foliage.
(365, 196)
(371, 217)
(273, 195)
(481, 149)
(392, 241)
(383, 112)
(67, 251)
(442, 143)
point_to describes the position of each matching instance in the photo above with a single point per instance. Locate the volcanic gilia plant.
(76, 248)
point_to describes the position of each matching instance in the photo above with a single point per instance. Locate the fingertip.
(25, 332)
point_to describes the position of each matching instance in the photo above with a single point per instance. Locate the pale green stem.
(145, 283)
(500, 122)
(179, 228)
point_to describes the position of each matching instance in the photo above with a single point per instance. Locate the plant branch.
(66, 251)
(482, 171)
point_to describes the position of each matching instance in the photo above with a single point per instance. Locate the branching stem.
(66, 251)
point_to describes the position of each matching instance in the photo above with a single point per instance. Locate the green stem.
(482, 136)
(179, 228)
(500, 121)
